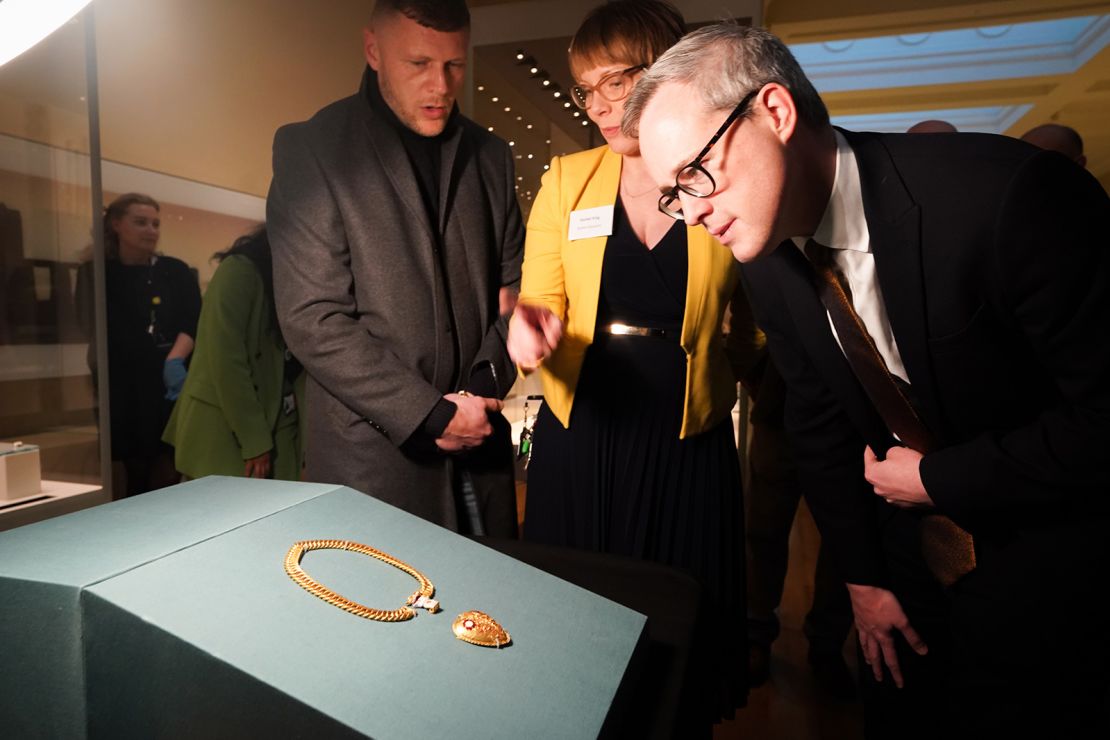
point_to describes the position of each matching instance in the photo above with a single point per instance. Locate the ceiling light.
(529, 156)
(547, 141)
(520, 118)
(490, 128)
(577, 114)
(585, 123)
(547, 166)
(508, 109)
(519, 55)
(529, 127)
(546, 83)
(534, 70)
(481, 88)
(27, 22)
(557, 94)
(494, 99)
(566, 104)
(512, 143)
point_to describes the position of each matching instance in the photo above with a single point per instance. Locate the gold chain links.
(422, 597)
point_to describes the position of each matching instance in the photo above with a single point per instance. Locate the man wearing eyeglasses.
(934, 305)
(397, 244)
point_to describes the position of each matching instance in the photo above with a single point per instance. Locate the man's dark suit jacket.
(992, 258)
(358, 287)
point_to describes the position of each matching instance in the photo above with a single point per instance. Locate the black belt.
(624, 330)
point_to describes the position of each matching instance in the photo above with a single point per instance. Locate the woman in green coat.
(239, 412)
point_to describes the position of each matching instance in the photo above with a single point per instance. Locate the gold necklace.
(421, 598)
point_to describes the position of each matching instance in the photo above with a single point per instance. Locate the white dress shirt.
(843, 228)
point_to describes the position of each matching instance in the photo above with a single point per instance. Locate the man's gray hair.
(724, 62)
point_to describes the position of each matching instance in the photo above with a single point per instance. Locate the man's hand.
(897, 478)
(878, 614)
(470, 425)
(258, 467)
(534, 333)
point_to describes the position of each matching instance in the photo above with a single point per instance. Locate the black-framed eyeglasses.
(613, 87)
(693, 179)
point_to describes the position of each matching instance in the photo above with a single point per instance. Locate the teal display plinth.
(170, 615)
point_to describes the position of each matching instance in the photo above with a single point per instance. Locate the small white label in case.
(591, 222)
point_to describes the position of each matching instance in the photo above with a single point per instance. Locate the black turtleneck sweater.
(424, 152)
(425, 156)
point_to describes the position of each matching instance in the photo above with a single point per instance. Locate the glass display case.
(48, 184)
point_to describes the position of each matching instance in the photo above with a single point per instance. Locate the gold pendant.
(479, 628)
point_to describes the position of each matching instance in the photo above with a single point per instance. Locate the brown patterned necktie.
(948, 550)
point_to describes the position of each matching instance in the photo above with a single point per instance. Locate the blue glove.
(173, 375)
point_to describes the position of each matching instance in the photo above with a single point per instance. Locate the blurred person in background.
(239, 412)
(932, 126)
(1058, 138)
(153, 302)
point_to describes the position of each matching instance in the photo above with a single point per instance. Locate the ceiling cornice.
(801, 21)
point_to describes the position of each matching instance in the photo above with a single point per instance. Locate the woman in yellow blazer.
(621, 309)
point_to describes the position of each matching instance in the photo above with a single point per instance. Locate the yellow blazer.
(565, 276)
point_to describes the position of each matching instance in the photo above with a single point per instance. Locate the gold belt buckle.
(624, 330)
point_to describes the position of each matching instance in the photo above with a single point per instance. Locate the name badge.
(591, 222)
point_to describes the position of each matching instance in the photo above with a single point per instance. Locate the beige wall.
(56, 218)
(196, 89)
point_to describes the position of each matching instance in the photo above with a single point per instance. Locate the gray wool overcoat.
(360, 299)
